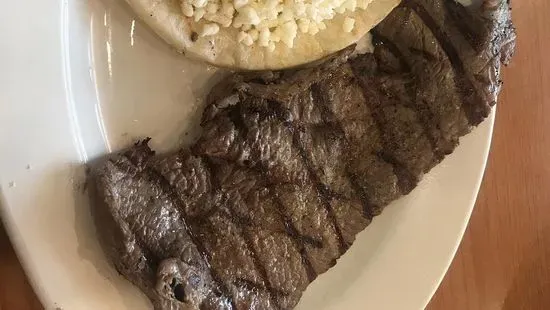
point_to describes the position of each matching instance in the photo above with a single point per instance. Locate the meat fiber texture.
(291, 165)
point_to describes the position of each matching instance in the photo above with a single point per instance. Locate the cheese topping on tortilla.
(266, 22)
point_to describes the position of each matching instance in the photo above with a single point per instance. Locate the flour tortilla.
(223, 50)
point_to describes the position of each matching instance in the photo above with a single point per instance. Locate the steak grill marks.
(322, 189)
(290, 230)
(244, 222)
(425, 115)
(464, 86)
(464, 22)
(406, 179)
(324, 192)
(378, 39)
(147, 253)
(328, 117)
(222, 289)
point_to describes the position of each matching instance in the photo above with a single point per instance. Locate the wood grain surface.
(504, 259)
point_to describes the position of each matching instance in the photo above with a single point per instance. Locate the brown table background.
(504, 259)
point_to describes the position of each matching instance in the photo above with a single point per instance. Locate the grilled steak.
(292, 165)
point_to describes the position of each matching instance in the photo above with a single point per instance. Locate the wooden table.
(504, 260)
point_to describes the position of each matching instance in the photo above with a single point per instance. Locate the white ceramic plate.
(82, 78)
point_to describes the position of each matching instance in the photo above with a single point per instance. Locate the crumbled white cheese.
(199, 13)
(187, 9)
(263, 38)
(266, 22)
(227, 8)
(289, 31)
(239, 3)
(199, 3)
(209, 29)
(245, 38)
(254, 33)
(212, 7)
